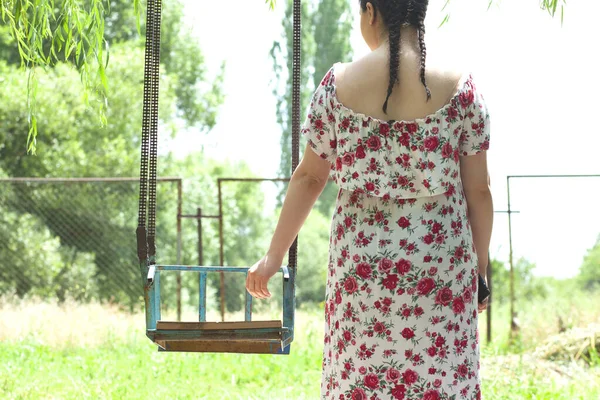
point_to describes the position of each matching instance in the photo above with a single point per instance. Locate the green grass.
(91, 352)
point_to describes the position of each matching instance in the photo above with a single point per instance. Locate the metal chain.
(145, 119)
(296, 67)
(155, 74)
(149, 144)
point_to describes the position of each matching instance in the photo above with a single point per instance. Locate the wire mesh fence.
(75, 238)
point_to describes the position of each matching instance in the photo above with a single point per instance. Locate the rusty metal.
(221, 251)
(179, 245)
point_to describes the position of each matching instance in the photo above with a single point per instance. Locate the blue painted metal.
(195, 268)
(289, 301)
(152, 301)
(202, 305)
(150, 288)
(156, 292)
(248, 310)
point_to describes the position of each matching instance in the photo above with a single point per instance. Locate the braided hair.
(395, 14)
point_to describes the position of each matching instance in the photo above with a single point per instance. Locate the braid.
(423, 56)
(394, 61)
(421, 33)
(395, 14)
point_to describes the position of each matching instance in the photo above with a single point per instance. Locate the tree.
(589, 272)
(325, 40)
(44, 33)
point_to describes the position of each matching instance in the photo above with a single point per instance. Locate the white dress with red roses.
(401, 308)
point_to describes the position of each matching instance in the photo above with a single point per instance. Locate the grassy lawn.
(94, 352)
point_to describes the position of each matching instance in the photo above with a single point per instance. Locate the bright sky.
(540, 81)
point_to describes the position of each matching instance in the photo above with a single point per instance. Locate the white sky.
(540, 81)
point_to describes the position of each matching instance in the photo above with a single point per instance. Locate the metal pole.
(203, 275)
(510, 259)
(221, 251)
(179, 244)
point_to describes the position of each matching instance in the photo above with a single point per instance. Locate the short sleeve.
(475, 136)
(319, 126)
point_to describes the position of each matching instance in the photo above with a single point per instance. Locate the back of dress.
(401, 308)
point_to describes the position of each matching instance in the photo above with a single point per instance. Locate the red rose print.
(431, 395)
(466, 98)
(379, 327)
(404, 222)
(359, 394)
(371, 381)
(459, 252)
(431, 143)
(374, 143)
(402, 181)
(444, 296)
(318, 124)
(347, 336)
(360, 152)
(410, 377)
(385, 265)
(364, 270)
(369, 186)
(399, 391)
(458, 305)
(418, 311)
(408, 333)
(440, 341)
(338, 164)
(404, 139)
(392, 375)
(403, 266)
(467, 295)
(384, 129)
(348, 159)
(412, 128)
(425, 286)
(432, 351)
(333, 144)
(462, 370)
(345, 123)
(350, 285)
(447, 150)
(390, 282)
(428, 239)
(452, 112)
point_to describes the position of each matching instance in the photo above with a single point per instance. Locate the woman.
(413, 218)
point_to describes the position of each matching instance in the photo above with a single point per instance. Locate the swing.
(258, 337)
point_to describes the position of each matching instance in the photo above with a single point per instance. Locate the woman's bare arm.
(306, 185)
(476, 184)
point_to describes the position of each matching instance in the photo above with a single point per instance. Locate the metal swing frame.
(247, 336)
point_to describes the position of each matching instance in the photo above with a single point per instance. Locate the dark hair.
(395, 14)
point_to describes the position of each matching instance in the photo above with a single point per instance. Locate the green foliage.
(527, 286)
(589, 272)
(325, 40)
(35, 262)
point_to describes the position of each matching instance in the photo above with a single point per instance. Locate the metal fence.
(76, 237)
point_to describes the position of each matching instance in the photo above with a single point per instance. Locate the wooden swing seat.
(251, 337)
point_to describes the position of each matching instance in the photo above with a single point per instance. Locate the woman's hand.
(259, 275)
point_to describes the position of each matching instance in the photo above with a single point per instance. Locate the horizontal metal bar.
(253, 179)
(85, 180)
(194, 268)
(197, 216)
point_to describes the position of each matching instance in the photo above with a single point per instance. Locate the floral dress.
(401, 309)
